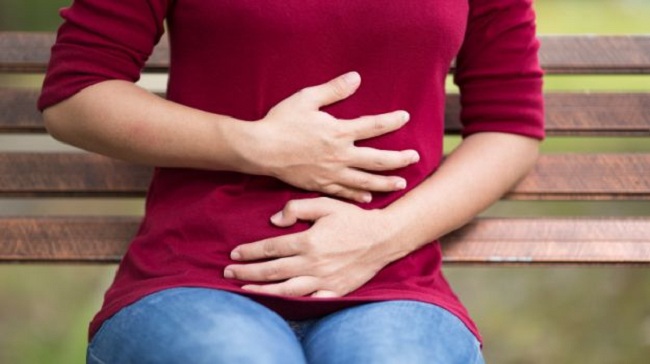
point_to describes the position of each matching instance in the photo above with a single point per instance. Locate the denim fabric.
(197, 325)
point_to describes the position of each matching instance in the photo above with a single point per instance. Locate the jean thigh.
(392, 332)
(195, 325)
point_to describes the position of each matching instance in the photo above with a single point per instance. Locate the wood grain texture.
(545, 240)
(568, 54)
(18, 113)
(495, 241)
(70, 174)
(594, 114)
(72, 239)
(621, 176)
(29, 52)
(557, 176)
(581, 114)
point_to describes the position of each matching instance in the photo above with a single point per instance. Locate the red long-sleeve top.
(240, 58)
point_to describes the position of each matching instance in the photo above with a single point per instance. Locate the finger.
(296, 287)
(375, 125)
(271, 271)
(325, 294)
(332, 91)
(347, 193)
(278, 247)
(372, 159)
(361, 180)
(310, 209)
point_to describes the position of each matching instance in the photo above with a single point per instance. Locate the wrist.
(398, 235)
(247, 143)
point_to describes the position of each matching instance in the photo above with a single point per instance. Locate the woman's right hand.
(311, 149)
(295, 142)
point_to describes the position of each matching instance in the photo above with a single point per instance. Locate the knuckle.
(320, 181)
(378, 123)
(269, 250)
(406, 159)
(314, 184)
(309, 243)
(292, 247)
(320, 270)
(289, 291)
(306, 93)
(363, 182)
(335, 157)
(339, 88)
(381, 163)
(337, 286)
(291, 207)
(332, 189)
(342, 133)
(271, 273)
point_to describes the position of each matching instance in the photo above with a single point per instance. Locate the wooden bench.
(601, 175)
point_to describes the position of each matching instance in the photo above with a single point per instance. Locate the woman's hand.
(345, 247)
(296, 142)
(312, 150)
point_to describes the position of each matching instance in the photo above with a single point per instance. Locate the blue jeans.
(198, 325)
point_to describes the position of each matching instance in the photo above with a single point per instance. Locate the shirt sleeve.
(101, 40)
(498, 71)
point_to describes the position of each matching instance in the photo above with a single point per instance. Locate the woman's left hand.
(344, 248)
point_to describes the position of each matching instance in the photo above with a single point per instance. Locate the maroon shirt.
(241, 57)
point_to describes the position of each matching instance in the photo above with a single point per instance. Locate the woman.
(294, 210)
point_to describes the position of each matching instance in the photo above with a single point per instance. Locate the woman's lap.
(391, 332)
(204, 325)
(195, 325)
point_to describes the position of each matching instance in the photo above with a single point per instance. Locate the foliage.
(527, 315)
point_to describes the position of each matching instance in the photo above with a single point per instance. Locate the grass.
(527, 315)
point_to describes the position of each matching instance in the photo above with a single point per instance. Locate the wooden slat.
(556, 176)
(543, 240)
(18, 113)
(585, 114)
(587, 177)
(595, 54)
(29, 52)
(65, 239)
(598, 114)
(70, 174)
(624, 240)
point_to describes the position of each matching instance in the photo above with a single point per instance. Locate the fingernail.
(234, 255)
(228, 273)
(405, 116)
(366, 198)
(277, 217)
(400, 184)
(352, 78)
(415, 157)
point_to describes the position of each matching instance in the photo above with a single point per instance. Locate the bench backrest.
(560, 176)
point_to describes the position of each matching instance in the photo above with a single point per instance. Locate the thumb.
(325, 294)
(310, 209)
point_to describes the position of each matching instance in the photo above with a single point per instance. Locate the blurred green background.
(526, 314)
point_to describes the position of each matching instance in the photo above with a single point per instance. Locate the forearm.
(295, 142)
(121, 120)
(475, 175)
(346, 245)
